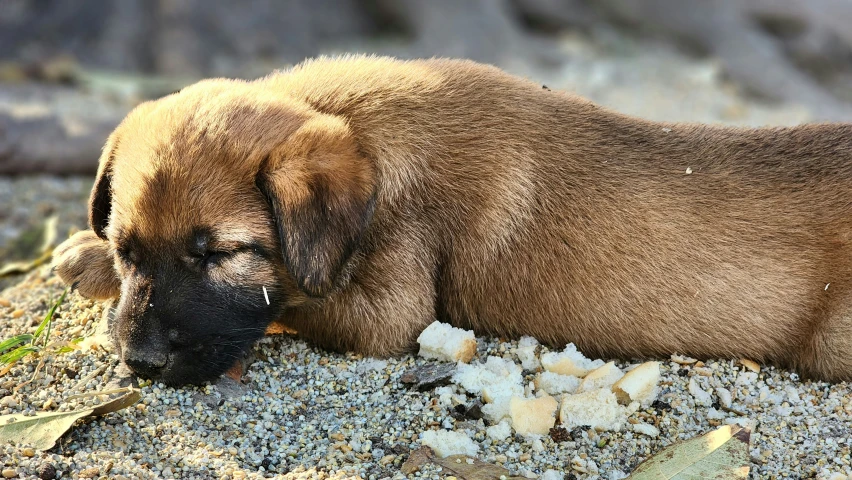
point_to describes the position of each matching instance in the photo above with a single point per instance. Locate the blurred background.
(70, 70)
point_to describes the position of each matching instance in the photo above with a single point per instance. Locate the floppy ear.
(100, 200)
(322, 192)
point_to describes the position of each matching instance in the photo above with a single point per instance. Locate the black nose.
(146, 364)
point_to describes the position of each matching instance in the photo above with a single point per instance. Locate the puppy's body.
(402, 192)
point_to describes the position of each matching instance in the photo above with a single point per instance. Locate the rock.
(429, 376)
(91, 472)
(9, 473)
(46, 471)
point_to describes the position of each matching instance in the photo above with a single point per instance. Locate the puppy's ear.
(100, 200)
(322, 192)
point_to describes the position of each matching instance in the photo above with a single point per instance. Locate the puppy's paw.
(85, 261)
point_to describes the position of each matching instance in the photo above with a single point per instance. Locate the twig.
(88, 377)
(101, 392)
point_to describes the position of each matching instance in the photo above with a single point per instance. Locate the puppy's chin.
(204, 365)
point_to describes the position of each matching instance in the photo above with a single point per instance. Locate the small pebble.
(90, 472)
(46, 471)
(9, 473)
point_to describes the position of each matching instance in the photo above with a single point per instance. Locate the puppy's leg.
(85, 261)
(389, 300)
(827, 355)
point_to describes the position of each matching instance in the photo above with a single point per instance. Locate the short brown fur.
(405, 192)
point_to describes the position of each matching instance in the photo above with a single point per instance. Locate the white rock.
(746, 378)
(742, 421)
(701, 397)
(552, 475)
(713, 414)
(792, 394)
(724, 396)
(646, 429)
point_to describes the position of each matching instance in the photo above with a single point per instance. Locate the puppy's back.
(552, 217)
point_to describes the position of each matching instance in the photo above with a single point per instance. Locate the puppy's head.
(225, 204)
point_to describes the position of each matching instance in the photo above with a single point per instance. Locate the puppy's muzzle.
(148, 357)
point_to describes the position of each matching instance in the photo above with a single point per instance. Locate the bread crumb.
(750, 364)
(556, 384)
(526, 353)
(639, 385)
(499, 432)
(446, 396)
(682, 360)
(601, 377)
(497, 410)
(569, 362)
(476, 377)
(507, 388)
(533, 416)
(441, 341)
(446, 443)
(598, 409)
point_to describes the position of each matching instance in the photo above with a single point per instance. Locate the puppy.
(358, 199)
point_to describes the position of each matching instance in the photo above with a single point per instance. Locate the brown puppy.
(367, 197)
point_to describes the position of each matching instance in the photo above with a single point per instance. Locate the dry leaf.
(416, 459)
(722, 454)
(44, 429)
(131, 397)
(468, 468)
(461, 466)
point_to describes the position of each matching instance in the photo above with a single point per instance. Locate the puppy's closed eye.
(128, 256)
(213, 259)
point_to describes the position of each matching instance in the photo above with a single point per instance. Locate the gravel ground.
(306, 413)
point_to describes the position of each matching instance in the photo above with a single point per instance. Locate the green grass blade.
(49, 317)
(15, 341)
(17, 354)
